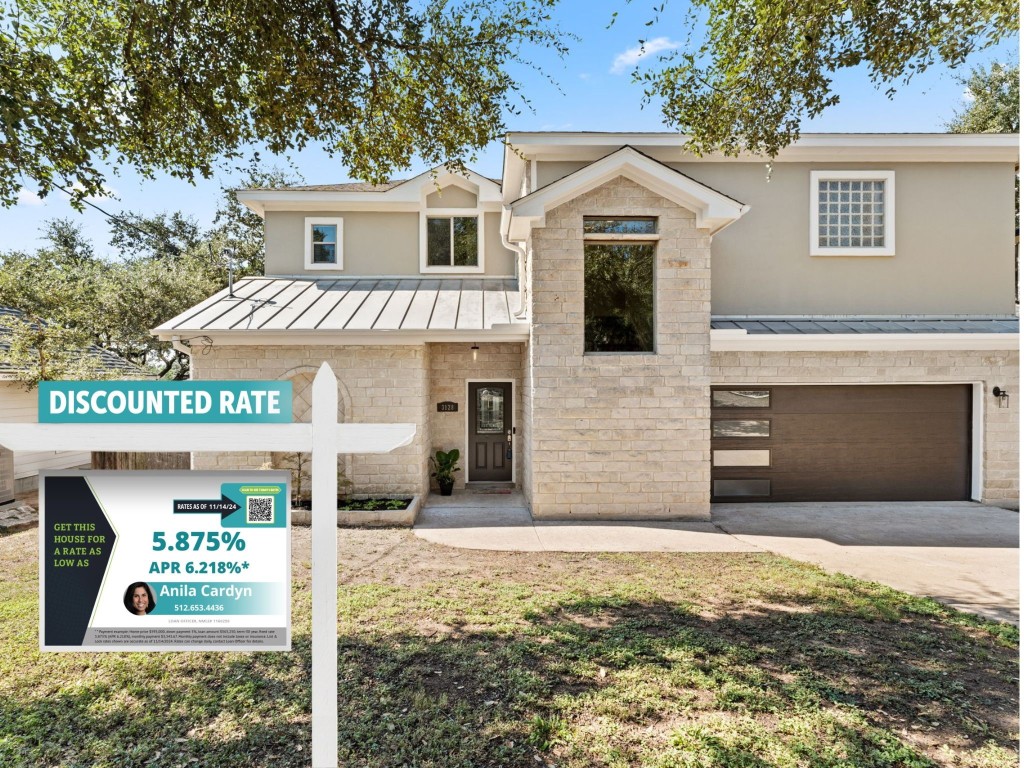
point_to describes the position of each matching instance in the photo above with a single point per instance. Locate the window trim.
(449, 213)
(339, 249)
(889, 179)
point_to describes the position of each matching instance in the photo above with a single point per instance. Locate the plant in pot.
(444, 465)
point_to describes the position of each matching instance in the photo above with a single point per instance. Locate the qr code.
(259, 509)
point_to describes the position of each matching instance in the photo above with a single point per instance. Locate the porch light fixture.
(475, 349)
(1003, 396)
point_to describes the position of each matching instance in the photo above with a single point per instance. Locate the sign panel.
(165, 402)
(164, 561)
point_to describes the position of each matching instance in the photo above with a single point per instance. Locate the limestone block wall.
(451, 367)
(619, 435)
(376, 384)
(1000, 447)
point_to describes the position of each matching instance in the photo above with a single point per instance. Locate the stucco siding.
(1000, 433)
(954, 242)
(619, 435)
(451, 197)
(374, 243)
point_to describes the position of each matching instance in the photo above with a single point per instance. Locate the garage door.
(832, 443)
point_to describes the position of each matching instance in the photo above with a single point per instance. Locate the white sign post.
(324, 438)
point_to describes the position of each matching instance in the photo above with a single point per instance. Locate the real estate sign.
(164, 561)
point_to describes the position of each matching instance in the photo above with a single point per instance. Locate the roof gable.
(714, 210)
(409, 194)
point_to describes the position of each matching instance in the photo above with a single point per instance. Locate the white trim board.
(738, 340)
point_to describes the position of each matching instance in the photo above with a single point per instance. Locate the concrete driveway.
(960, 553)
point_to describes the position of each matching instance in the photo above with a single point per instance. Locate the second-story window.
(853, 213)
(452, 241)
(618, 284)
(323, 243)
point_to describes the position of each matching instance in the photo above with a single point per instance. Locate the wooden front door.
(490, 432)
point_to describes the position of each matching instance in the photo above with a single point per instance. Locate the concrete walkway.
(960, 553)
(499, 520)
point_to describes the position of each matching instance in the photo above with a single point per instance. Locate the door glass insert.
(758, 487)
(490, 411)
(740, 428)
(740, 398)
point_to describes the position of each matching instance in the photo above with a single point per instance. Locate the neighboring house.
(20, 404)
(629, 331)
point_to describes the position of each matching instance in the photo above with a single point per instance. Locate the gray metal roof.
(108, 361)
(353, 304)
(897, 324)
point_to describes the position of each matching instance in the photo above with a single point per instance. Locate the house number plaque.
(447, 407)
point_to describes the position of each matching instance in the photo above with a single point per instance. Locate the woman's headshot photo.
(138, 599)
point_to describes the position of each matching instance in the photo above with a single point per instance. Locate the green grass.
(666, 661)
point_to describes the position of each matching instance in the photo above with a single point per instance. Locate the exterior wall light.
(1003, 396)
(475, 349)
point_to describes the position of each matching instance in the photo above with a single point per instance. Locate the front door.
(490, 432)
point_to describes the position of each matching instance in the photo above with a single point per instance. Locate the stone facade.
(619, 435)
(1000, 483)
(451, 367)
(375, 384)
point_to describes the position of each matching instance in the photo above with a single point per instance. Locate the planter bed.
(354, 516)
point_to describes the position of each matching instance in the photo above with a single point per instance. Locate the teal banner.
(165, 402)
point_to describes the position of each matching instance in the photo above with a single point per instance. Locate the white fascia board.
(737, 340)
(816, 147)
(713, 209)
(340, 201)
(407, 196)
(248, 338)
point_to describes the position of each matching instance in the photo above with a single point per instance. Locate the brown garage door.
(832, 443)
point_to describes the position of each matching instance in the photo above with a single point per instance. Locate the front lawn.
(454, 658)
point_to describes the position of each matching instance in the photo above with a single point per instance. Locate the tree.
(238, 228)
(68, 299)
(53, 292)
(766, 65)
(993, 101)
(175, 87)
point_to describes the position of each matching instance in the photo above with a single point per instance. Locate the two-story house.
(623, 330)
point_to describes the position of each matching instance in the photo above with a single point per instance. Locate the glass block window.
(851, 213)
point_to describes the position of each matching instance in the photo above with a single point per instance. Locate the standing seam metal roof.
(354, 304)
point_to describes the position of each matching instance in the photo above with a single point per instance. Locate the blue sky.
(592, 94)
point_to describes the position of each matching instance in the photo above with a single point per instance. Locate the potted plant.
(444, 464)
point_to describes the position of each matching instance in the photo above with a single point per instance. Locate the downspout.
(506, 216)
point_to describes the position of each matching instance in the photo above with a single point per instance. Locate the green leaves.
(994, 105)
(766, 65)
(182, 87)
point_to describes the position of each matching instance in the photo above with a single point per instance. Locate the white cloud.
(28, 197)
(584, 75)
(629, 58)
